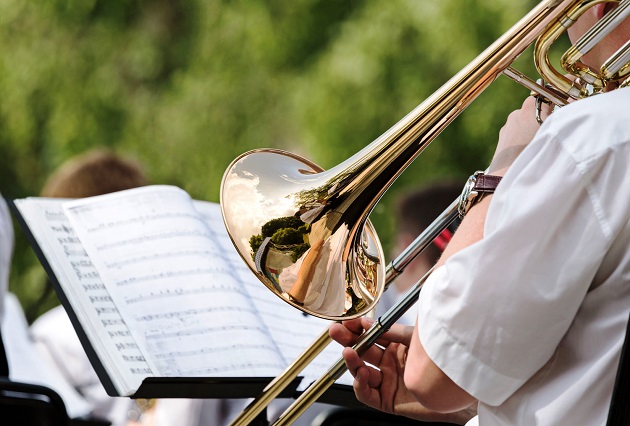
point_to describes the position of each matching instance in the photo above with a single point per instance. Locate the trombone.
(304, 232)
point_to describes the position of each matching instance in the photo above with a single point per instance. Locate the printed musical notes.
(108, 333)
(169, 275)
(160, 290)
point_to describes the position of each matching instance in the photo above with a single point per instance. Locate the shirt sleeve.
(494, 314)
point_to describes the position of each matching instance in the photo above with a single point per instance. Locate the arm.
(431, 387)
(426, 393)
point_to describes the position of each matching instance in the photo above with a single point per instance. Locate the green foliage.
(271, 227)
(293, 239)
(298, 251)
(255, 242)
(286, 233)
(287, 236)
(187, 86)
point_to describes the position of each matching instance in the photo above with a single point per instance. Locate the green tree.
(187, 86)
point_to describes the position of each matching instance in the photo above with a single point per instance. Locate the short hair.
(96, 172)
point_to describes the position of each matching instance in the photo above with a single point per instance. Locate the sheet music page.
(172, 284)
(90, 300)
(292, 330)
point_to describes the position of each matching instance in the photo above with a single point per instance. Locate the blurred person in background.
(19, 359)
(93, 173)
(526, 314)
(415, 211)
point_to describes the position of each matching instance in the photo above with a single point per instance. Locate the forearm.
(469, 231)
(425, 380)
(415, 411)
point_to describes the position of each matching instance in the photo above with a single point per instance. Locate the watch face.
(468, 196)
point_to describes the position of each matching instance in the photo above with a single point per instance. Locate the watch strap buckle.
(477, 184)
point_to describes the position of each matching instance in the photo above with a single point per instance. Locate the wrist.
(478, 185)
(503, 159)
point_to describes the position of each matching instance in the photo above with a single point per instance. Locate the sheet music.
(292, 330)
(109, 335)
(172, 284)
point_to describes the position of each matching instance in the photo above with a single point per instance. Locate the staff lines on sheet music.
(133, 358)
(103, 314)
(154, 237)
(69, 240)
(83, 276)
(198, 311)
(142, 219)
(181, 292)
(183, 333)
(105, 310)
(273, 312)
(159, 256)
(172, 274)
(70, 252)
(112, 322)
(290, 344)
(232, 367)
(94, 287)
(119, 333)
(81, 263)
(100, 298)
(55, 216)
(213, 350)
(126, 345)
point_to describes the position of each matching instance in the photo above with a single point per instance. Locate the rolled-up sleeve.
(495, 312)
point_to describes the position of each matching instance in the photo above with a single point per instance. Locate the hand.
(381, 385)
(516, 134)
(381, 388)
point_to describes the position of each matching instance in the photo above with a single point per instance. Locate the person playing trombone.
(523, 318)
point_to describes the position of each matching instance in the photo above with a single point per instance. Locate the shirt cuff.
(453, 356)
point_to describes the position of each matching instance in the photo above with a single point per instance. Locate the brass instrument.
(305, 233)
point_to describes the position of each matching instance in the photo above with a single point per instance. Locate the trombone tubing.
(406, 139)
(378, 165)
(368, 338)
(394, 269)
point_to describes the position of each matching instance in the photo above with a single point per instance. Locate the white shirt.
(531, 320)
(27, 365)
(58, 343)
(6, 250)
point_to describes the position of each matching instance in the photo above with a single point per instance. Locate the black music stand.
(619, 411)
(24, 404)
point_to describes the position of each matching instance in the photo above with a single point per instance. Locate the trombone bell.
(298, 230)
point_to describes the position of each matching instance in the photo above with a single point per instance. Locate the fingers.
(367, 380)
(347, 333)
(398, 333)
(378, 388)
(342, 335)
(391, 374)
(357, 366)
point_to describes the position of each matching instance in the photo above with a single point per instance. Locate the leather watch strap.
(486, 183)
(476, 187)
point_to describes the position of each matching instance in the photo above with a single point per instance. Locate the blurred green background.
(186, 86)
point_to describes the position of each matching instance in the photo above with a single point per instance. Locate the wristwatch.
(476, 187)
